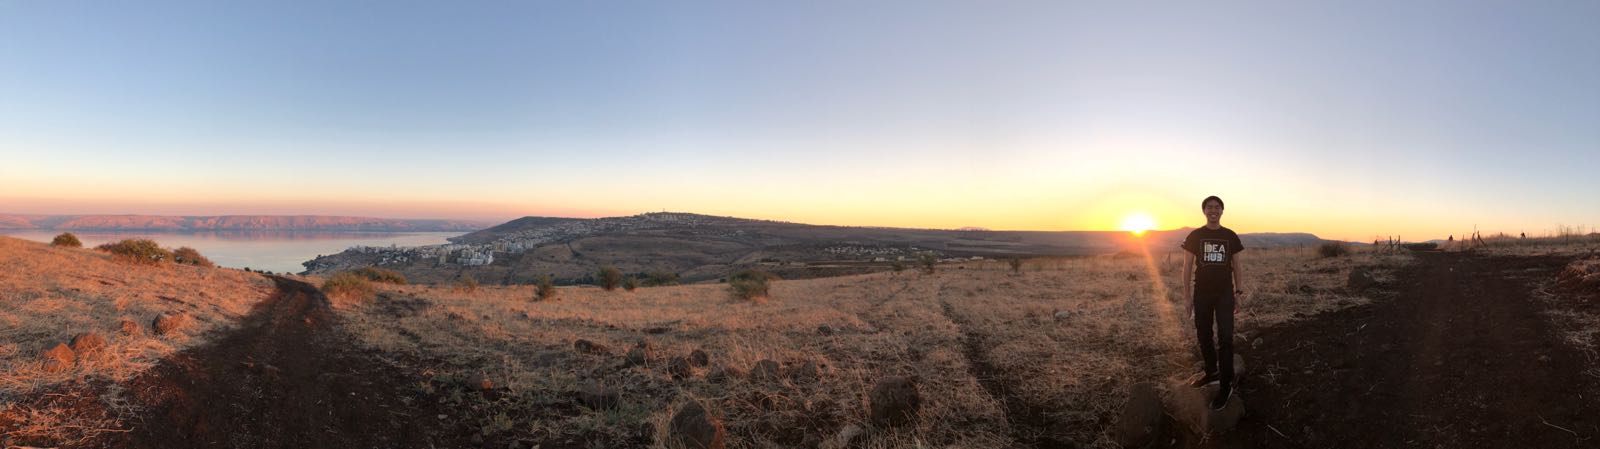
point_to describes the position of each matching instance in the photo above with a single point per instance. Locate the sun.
(1138, 223)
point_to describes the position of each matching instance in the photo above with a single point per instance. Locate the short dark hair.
(1210, 199)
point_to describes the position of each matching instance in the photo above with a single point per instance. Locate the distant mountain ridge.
(230, 223)
(701, 247)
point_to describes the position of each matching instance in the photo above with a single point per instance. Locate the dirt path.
(1030, 425)
(286, 377)
(1461, 358)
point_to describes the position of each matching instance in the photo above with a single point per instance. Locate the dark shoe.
(1221, 401)
(1203, 380)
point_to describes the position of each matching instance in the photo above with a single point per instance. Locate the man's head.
(1212, 207)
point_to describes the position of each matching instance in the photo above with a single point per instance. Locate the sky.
(1347, 119)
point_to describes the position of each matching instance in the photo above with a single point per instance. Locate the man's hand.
(1238, 300)
(1188, 302)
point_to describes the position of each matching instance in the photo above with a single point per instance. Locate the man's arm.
(1188, 281)
(1238, 280)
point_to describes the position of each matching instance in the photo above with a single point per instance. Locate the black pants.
(1218, 308)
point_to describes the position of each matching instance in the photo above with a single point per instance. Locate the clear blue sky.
(1349, 119)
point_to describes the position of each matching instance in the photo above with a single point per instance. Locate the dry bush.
(467, 284)
(928, 261)
(1332, 249)
(544, 289)
(630, 283)
(348, 286)
(66, 239)
(610, 277)
(1016, 264)
(141, 251)
(750, 284)
(189, 256)
(661, 278)
(383, 275)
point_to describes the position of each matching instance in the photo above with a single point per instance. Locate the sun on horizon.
(1138, 223)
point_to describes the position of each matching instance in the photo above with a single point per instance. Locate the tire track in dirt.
(1030, 427)
(285, 377)
(1461, 358)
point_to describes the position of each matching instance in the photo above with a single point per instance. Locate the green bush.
(68, 240)
(141, 251)
(898, 266)
(660, 278)
(750, 284)
(383, 275)
(347, 285)
(928, 261)
(1332, 249)
(544, 289)
(610, 277)
(190, 256)
(629, 283)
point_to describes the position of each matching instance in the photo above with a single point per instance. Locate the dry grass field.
(49, 295)
(1001, 358)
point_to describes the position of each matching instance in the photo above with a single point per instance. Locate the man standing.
(1212, 285)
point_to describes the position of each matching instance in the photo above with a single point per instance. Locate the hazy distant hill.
(229, 223)
(699, 247)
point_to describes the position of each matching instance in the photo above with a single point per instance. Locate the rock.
(168, 323)
(765, 370)
(694, 427)
(699, 358)
(88, 342)
(1063, 315)
(598, 397)
(679, 368)
(59, 358)
(639, 355)
(825, 330)
(811, 371)
(1191, 407)
(725, 374)
(1239, 368)
(894, 401)
(131, 328)
(847, 435)
(589, 347)
(1256, 344)
(1360, 280)
(1140, 423)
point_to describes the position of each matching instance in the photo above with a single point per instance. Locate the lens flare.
(1138, 223)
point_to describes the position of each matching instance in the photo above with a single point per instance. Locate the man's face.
(1213, 212)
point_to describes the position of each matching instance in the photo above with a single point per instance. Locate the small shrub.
(142, 251)
(610, 277)
(629, 283)
(750, 284)
(467, 283)
(1332, 249)
(1016, 265)
(660, 278)
(928, 261)
(190, 256)
(898, 266)
(68, 240)
(347, 286)
(544, 289)
(383, 275)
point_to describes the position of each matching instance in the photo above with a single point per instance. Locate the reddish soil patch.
(286, 377)
(1461, 358)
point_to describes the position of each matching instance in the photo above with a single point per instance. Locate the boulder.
(1140, 424)
(59, 358)
(679, 368)
(895, 401)
(699, 358)
(1062, 315)
(640, 354)
(1360, 280)
(765, 370)
(589, 347)
(88, 342)
(1191, 408)
(598, 397)
(811, 371)
(725, 374)
(168, 323)
(694, 427)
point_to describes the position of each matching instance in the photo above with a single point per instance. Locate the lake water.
(277, 251)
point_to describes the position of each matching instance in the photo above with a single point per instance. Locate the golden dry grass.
(1120, 327)
(49, 294)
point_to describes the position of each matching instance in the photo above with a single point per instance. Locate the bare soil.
(1461, 358)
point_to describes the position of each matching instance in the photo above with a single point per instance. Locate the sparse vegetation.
(927, 261)
(629, 283)
(1332, 249)
(750, 284)
(898, 266)
(544, 289)
(467, 283)
(610, 277)
(661, 278)
(141, 251)
(347, 286)
(190, 256)
(383, 275)
(66, 239)
(1015, 263)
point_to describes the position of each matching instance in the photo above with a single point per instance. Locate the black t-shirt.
(1213, 249)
